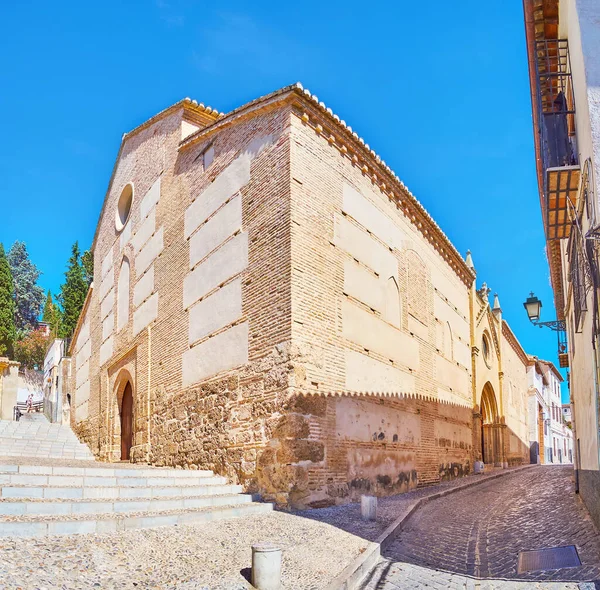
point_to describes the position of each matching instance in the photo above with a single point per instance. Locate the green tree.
(30, 350)
(87, 261)
(8, 332)
(72, 293)
(51, 315)
(48, 308)
(29, 296)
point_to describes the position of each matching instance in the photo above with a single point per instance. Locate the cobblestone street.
(479, 532)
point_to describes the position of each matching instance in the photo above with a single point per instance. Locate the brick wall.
(287, 324)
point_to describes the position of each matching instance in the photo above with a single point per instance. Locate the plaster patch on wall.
(224, 351)
(150, 199)
(106, 350)
(81, 412)
(145, 231)
(367, 330)
(216, 311)
(370, 217)
(229, 260)
(216, 230)
(145, 314)
(393, 467)
(83, 392)
(229, 182)
(453, 398)
(365, 374)
(84, 334)
(108, 324)
(149, 252)
(456, 292)
(225, 185)
(107, 283)
(107, 304)
(363, 285)
(363, 247)
(107, 263)
(453, 436)
(450, 375)
(418, 328)
(83, 373)
(125, 234)
(123, 292)
(84, 353)
(360, 420)
(445, 312)
(144, 287)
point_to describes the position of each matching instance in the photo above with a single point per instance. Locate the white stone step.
(69, 507)
(39, 526)
(20, 479)
(50, 483)
(105, 470)
(92, 493)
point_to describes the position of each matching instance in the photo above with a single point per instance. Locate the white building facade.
(551, 440)
(563, 47)
(57, 371)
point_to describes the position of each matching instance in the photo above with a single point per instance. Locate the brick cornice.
(340, 136)
(515, 344)
(80, 320)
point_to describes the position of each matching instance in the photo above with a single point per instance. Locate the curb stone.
(354, 574)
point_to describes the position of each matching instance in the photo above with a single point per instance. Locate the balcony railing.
(558, 138)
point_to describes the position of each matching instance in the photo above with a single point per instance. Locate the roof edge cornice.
(351, 145)
(514, 342)
(82, 313)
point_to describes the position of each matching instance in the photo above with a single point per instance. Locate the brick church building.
(271, 302)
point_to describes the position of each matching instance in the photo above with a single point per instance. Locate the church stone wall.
(380, 331)
(515, 386)
(280, 320)
(191, 299)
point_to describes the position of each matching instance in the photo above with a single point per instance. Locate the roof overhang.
(541, 22)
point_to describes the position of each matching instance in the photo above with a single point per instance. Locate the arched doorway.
(126, 422)
(490, 443)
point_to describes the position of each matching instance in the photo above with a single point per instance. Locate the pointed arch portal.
(126, 414)
(491, 428)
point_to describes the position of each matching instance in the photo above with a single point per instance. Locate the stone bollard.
(266, 566)
(368, 507)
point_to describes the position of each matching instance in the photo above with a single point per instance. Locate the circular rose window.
(486, 348)
(124, 206)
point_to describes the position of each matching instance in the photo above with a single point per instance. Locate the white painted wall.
(579, 22)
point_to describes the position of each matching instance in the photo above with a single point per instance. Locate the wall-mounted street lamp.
(533, 307)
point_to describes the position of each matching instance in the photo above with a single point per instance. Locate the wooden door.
(126, 422)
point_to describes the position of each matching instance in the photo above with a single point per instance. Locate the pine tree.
(87, 261)
(51, 315)
(48, 309)
(29, 296)
(72, 293)
(8, 333)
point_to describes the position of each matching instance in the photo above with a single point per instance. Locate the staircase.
(50, 485)
(34, 436)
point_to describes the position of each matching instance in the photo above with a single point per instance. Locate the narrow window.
(123, 295)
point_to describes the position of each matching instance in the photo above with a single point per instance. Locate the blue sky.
(440, 90)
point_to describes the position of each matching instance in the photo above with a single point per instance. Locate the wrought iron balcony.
(558, 138)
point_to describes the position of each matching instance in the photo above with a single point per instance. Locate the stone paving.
(214, 556)
(348, 518)
(478, 533)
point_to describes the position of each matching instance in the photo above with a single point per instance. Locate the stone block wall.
(280, 319)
